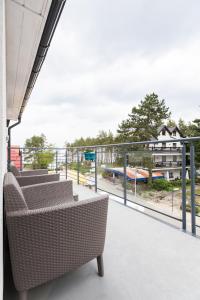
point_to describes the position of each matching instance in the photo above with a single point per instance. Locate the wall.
(176, 173)
(2, 131)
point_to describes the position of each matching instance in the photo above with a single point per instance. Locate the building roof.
(170, 129)
(25, 55)
(132, 173)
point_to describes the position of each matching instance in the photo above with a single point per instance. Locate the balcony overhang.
(25, 21)
(29, 29)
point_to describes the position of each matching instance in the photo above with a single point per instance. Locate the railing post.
(78, 168)
(56, 161)
(125, 178)
(96, 170)
(66, 160)
(192, 177)
(184, 225)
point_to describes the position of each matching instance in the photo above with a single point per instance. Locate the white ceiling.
(25, 20)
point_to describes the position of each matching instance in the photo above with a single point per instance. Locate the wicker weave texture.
(34, 172)
(14, 198)
(45, 243)
(59, 237)
(29, 180)
(16, 172)
(48, 194)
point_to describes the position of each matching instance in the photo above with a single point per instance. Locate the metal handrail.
(181, 140)
(66, 155)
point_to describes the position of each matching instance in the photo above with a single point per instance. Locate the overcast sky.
(106, 55)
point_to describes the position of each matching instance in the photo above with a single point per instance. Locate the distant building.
(167, 157)
(16, 156)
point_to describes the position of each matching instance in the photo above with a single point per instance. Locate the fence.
(129, 171)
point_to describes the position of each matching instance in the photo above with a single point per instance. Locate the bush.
(178, 182)
(83, 168)
(161, 185)
(106, 174)
(41, 160)
(129, 185)
(164, 185)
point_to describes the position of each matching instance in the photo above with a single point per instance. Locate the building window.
(164, 145)
(174, 145)
(174, 158)
(163, 132)
(171, 175)
(174, 133)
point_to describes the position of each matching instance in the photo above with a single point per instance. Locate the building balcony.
(166, 149)
(149, 252)
(168, 164)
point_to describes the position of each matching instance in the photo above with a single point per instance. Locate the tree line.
(142, 124)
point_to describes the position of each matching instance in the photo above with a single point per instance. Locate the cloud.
(105, 57)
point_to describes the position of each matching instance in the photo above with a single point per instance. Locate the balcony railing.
(168, 164)
(165, 149)
(126, 171)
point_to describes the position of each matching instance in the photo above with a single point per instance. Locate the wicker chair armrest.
(48, 242)
(34, 172)
(29, 180)
(48, 194)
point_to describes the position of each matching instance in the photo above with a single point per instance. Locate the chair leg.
(100, 265)
(23, 295)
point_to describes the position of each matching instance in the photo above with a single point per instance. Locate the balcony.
(151, 251)
(129, 165)
(168, 164)
(165, 149)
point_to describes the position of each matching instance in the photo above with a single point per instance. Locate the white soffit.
(25, 21)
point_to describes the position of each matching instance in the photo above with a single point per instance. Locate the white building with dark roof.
(167, 156)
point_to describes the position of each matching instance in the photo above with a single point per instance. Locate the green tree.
(191, 129)
(148, 163)
(194, 130)
(103, 138)
(38, 153)
(182, 125)
(42, 159)
(124, 132)
(144, 120)
(171, 123)
(36, 141)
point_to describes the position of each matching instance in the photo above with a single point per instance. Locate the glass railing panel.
(136, 174)
(110, 169)
(150, 186)
(72, 165)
